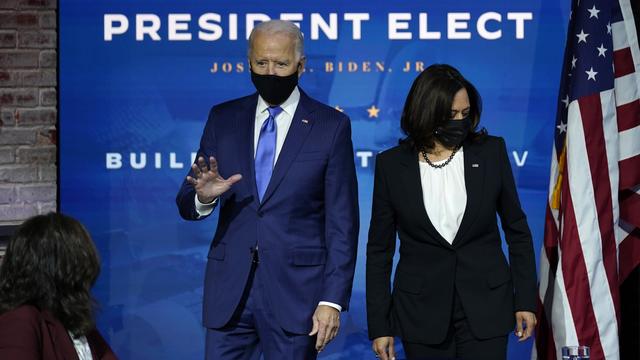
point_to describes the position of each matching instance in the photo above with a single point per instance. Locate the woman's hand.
(383, 347)
(528, 319)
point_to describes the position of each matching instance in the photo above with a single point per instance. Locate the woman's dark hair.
(429, 102)
(51, 263)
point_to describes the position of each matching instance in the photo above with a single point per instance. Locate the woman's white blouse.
(444, 194)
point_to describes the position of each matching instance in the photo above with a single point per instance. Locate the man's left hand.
(326, 321)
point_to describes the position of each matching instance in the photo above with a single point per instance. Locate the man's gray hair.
(273, 27)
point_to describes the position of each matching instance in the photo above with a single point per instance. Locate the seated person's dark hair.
(51, 263)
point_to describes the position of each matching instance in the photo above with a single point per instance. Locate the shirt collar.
(288, 106)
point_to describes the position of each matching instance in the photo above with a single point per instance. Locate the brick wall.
(28, 110)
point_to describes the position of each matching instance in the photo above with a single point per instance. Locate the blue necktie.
(266, 151)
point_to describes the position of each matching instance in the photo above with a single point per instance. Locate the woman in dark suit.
(454, 294)
(46, 310)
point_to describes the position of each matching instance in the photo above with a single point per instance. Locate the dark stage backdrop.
(137, 79)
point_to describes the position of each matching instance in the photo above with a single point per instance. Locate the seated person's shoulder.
(23, 313)
(20, 329)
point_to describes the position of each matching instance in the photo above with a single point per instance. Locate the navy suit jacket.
(306, 227)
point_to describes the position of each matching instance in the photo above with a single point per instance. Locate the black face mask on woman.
(453, 132)
(274, 89)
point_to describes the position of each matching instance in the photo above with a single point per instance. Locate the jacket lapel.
(293, 142)
(474, 174)
(60, 339)
(413, 187)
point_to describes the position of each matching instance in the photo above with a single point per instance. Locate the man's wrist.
(330, 304)
(205, 201)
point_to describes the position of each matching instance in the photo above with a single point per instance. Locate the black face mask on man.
(274, 89)
(453, 132)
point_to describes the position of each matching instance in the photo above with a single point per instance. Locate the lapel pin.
(305, 121)
(475, 165)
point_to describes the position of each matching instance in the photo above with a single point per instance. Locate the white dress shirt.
(283, 122)
(444, 195)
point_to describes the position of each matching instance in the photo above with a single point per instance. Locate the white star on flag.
(608, 28)
(601, 50)
(582, 37)
(592, 74)
(562, 127)
(565, 101)
(573, 62)
(593, 12)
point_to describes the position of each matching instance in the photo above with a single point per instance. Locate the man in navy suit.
(280, 167)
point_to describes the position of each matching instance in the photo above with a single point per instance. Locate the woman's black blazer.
(430, 269)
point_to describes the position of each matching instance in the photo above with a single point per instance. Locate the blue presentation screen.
(137, 79)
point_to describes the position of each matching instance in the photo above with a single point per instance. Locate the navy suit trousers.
(254, 330)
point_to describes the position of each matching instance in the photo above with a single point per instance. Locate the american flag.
(592, 226)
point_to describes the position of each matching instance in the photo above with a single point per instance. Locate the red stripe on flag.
(630, 208)
(629, 172)
(629, 254)
(591, 111)
(545, 345)
(576, 281)
(623, 62)
(628, 115)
